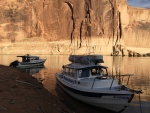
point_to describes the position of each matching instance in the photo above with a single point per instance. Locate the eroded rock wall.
(95, 26)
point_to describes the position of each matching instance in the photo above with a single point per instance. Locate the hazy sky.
(139, 3)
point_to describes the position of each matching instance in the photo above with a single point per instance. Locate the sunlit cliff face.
(57, 26)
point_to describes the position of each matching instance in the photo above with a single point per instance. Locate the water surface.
(139, 66)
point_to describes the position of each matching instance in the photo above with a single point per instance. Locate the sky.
(139, 3)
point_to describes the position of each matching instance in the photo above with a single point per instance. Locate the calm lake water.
(139, 66)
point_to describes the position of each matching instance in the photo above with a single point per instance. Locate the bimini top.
(86, 59)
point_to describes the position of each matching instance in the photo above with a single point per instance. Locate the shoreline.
(22, 93)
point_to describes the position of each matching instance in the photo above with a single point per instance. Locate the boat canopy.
(86, 59)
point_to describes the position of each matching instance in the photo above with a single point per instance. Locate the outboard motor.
(14, 63)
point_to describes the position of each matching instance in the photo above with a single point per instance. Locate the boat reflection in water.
(34, 69)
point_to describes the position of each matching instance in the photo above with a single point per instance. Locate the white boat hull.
(112, 101)
(31, 64)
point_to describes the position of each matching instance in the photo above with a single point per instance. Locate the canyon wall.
(108, 27)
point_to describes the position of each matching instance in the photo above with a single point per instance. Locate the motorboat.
(88, 81)
(28, 61)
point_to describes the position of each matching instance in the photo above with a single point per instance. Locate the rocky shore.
(21, 93)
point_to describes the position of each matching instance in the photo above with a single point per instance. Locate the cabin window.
(97, 72)
(93, 71)
(72, 73)
(66, 71)
(28, 59)
(37, 58)
(23, 59)
(83, 73)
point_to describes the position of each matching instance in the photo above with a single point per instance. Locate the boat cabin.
(28, 58)
(80, 72)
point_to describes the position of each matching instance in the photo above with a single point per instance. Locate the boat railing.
(121, 79)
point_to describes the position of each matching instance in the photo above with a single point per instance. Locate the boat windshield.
(98, 71)
(93, 72)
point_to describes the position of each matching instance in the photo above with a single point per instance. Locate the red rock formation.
(96, 25)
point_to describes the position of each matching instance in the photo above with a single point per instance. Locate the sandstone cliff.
(62, 26)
